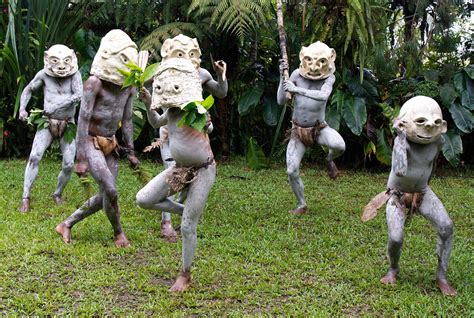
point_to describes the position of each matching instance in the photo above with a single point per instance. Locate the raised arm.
(156, 120)
(127, 128)
(399, 154)
(219, 88)
(320, 95)
(35, 83)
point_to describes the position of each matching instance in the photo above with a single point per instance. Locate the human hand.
(81, 169)
(134, 162)
(283, 65)
(145, 97)
(220, 67)
(23, 115)
(289, 87)
(398, 127)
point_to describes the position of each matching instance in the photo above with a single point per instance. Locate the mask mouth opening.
(424, 137)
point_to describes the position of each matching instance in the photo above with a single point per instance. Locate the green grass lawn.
(253, 258)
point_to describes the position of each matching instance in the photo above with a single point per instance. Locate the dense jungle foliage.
(387, 52)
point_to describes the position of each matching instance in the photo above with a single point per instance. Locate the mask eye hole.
(159, 89)
(323, 61)
(54, 60)
(420, 121)
(438, 122)
(307, 59)
(67, 60)
(177, 88)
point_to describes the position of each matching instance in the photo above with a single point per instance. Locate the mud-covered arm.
(440, 143)
(399, 155)
(156, 120)
(92, 87)
(216, 88)
(127, 129)
(282, 97)
(76, 87)
(320, 95)
(35, 84)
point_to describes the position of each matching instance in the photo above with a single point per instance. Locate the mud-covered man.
(104, 106)
(310, 85)
(182, 46)
(62, 89)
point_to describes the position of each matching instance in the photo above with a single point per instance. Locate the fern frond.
(155, 39)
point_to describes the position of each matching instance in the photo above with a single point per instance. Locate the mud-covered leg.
(69, 152)
(167, 230)
(195, 203)
(91, 206)
(395, 222)
(330, 138)
(156, 195)
(294, 155)
(432, 209)
(106, 177)
(41, 142)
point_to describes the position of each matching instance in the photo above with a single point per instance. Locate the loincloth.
(412, 200)
(307, 135)
(57, 127)
(180, 177)
(105, 144)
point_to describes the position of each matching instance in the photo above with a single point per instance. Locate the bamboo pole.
(282, 36)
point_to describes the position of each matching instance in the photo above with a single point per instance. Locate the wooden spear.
(282, 36)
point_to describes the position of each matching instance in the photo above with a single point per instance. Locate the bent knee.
(188, 230)
(446, 229)
(293, 172)
(142, 200)
(111, 194)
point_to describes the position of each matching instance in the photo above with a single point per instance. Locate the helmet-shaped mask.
(176, 83)
(422, 120)
(317, 61)
(182, 46)
(116, 49)
(60, 61)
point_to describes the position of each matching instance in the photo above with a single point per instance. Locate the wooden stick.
(282, 36)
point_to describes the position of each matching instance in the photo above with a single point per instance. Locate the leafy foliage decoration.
(196, 114)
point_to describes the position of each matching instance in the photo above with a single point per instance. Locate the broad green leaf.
(459, 82)
(201, 109)
(249, 99)
(149, 72)
(189, 106)
(333, 117)
(133, 66)
(70, 133)
(384, 151)
(354, 113)
(467, 100)
(124, 72)
(470, 71)
(138, 119)
(432, 75)
(462, 117)
(128, 81)
(452, 147)
(208, 102)
(255, 156)
(448, 94)
(271, 111)
(200, 122)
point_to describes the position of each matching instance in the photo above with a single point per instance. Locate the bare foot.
(65, 232)
(182, 282)
(25, 205)
(57, 199)
(120, 240)
(332, 170)
(298, 211)
(389, 278)
(168, 233)
(446, 288)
